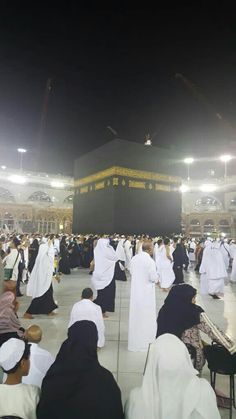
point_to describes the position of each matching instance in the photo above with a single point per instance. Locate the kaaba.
(127, 188)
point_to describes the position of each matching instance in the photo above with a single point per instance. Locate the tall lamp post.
(225, 159)
(22, 151)
(188, 161)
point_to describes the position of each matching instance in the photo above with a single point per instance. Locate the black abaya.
(74, 255)
(119, 274)
(33, 253)
(76, 386)
(106, 297)
(179, 259)
(44, 304)
(64, 266)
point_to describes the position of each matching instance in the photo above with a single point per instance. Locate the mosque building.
(35, 202)
(43, 202)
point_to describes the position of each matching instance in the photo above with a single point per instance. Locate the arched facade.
(39, 196)
(220, 208)
(36, 207)
(208, 203)
(6, 195)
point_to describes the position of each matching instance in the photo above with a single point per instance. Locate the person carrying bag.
(10, 263)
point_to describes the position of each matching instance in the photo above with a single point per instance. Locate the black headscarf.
(178, 312)
(76, 386)
(33, 253)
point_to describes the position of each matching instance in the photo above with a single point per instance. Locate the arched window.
(224, 223)
(69, 199)
(39, 196)
(195, 226)
(208, 203)
(209, 226)
(195, 222)
(6, 195)
(224, 226)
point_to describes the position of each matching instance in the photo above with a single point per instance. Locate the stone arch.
(39, 196)
(6, 195)
(208, 203)
(209, 226)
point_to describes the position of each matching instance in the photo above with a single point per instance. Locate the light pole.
(225, 159)
(21, 151)
(188, 161)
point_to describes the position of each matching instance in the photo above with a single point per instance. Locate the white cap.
(11, 352)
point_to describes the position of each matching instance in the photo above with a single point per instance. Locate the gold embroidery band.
(84, 189)
(126, 172)
(160, 187)
(135, 184)
(99, 185)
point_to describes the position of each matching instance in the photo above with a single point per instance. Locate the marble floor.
(126, 366)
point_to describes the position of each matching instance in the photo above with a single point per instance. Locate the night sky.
(117, 68)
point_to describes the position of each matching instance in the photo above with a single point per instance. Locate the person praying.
(10, 326)
(40, 359)
(76, 385)
(86, 309)
(182, 317)
(16, 398)
(171, 388)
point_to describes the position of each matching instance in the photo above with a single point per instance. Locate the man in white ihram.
(86, 309)
(128, 252)
(142, 313)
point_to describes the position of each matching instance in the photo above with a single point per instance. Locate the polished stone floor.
(127, 367)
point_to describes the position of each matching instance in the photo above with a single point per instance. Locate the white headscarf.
(41, 275)
(212, 262)
(120, 251)
(105, 259)
(171, 388)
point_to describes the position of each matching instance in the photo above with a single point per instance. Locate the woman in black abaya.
(178, 259)
(76, 386)
(64, 265)
(33, 253)
(181, 317)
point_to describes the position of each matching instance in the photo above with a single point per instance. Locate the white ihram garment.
(120, 251)
(11, 261)
(204, 285)
(164, 267)
(87, 310)
(40, 362)
(142, 312)
(128, 254)
(212, 270)
(225, 251)
(192, 256)
(41, 275)
(233, 256)
(105, 259)
(171, 388)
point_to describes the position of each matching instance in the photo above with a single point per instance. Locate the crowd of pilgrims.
(75, 385)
